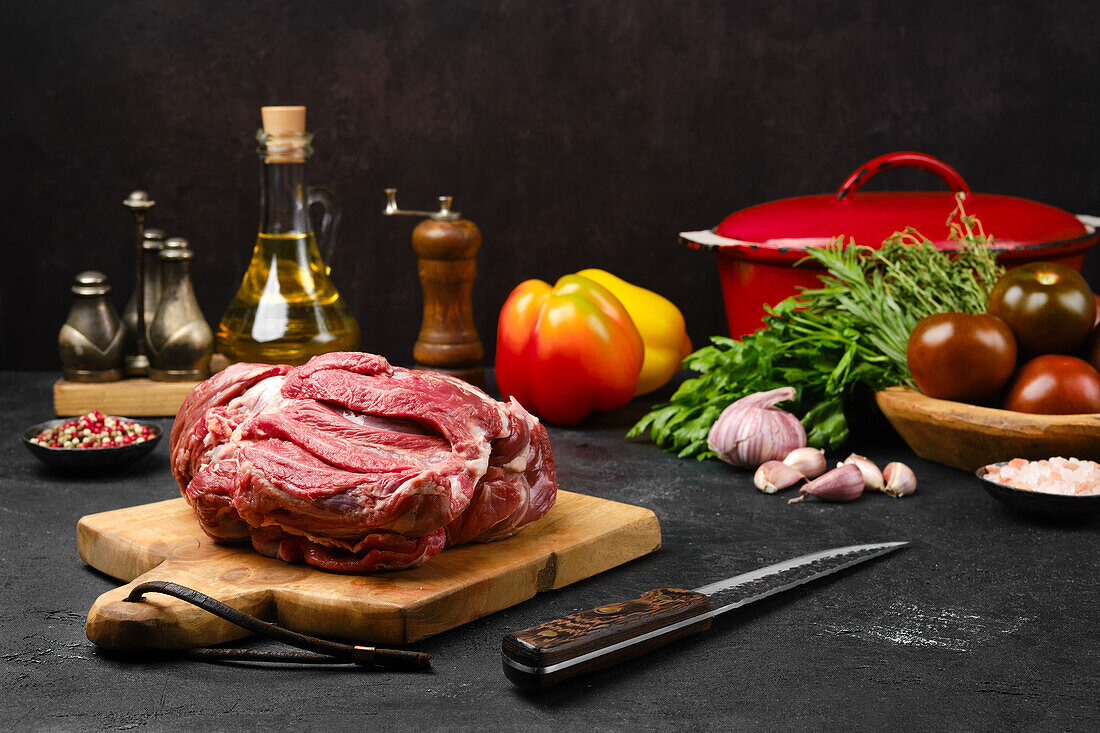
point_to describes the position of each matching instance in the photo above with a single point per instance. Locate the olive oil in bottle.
(286, 309)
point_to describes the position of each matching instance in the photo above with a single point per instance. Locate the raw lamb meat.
(353, 465)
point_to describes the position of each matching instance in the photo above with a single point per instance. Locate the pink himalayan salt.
(1056, 475)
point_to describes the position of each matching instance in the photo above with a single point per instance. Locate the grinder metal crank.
(446, 246)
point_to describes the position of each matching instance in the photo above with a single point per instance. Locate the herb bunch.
(835, 344)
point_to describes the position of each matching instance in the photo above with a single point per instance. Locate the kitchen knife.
(582, 642)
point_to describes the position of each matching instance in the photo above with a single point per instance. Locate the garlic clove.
(841, 484)
(872, 477)
(810, 462)
(773, 476)
(900, 479)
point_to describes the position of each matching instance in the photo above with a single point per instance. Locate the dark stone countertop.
(987, 622)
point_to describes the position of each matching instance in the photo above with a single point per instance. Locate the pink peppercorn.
(91, 431)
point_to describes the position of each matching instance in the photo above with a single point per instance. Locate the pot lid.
(870, 217)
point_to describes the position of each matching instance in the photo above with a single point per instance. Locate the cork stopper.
(283, 120)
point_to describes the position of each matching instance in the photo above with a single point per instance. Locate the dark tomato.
(1090, 352)
(1055, 385)
(1049, 307)
(958, 356)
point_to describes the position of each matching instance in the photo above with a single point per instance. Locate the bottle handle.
(330, 220)
(905, 159)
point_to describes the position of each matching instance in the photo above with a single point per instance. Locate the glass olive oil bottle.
(286, 309)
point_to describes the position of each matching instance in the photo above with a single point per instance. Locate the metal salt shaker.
(151, 246)
(180, 341)
(91, 341)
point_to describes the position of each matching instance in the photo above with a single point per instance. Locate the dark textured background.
(574, 133)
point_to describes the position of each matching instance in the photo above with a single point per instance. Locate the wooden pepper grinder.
(446, 246)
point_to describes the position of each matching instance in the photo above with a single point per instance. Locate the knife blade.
(601, 637)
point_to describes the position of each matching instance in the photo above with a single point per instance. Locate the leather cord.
(324, 651)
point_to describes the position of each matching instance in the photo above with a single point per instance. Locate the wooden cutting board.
(579, 537)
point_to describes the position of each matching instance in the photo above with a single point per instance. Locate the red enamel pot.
(757, 247)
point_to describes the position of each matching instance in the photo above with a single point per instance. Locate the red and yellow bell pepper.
(566, 350)
(660, 324)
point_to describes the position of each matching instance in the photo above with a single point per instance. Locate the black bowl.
(89, 460)
(1059, 507)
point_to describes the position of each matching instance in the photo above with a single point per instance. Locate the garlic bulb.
(872, 477)
(810, 462)
(752, 430)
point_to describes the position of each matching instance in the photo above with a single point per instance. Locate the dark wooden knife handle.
(544, 655)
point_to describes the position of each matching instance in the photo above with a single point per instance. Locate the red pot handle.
(905, 159)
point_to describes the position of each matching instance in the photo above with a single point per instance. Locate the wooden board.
(132, 397)
(971, 436)
(579, 537)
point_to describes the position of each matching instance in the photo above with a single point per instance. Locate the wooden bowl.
(969, 436)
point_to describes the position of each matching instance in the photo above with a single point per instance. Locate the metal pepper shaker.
(180, 341)
(152, 244)
(91, 340)
(169, 243)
